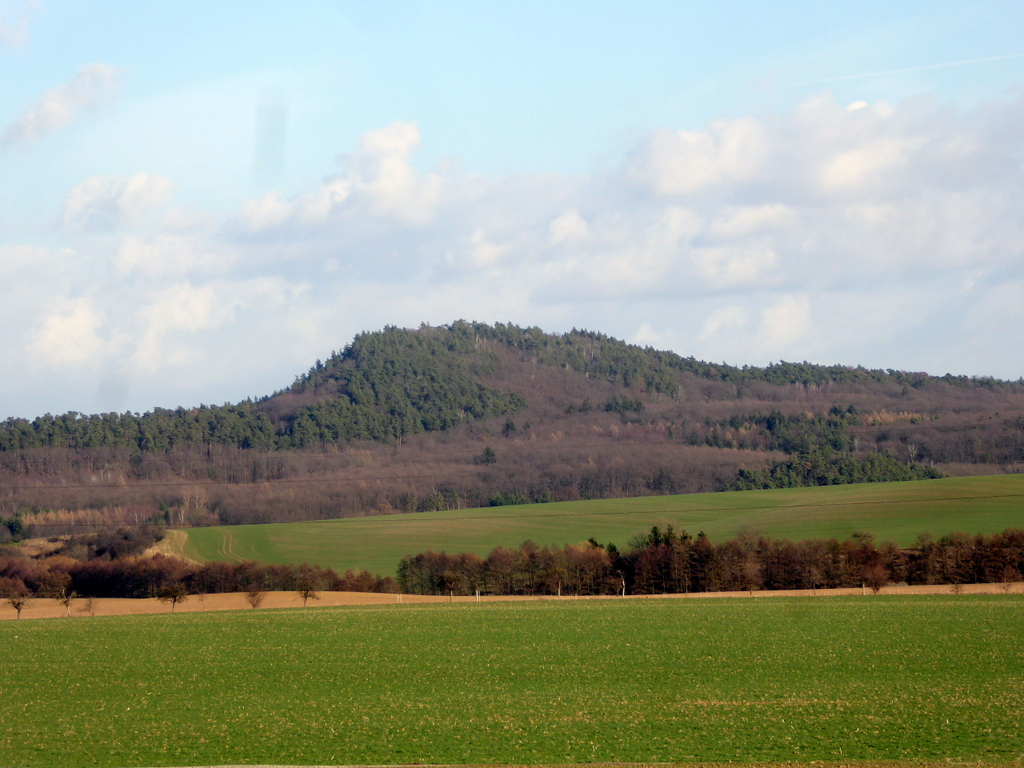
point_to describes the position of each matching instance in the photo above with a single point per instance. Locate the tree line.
(661, 561)
(142, 577)
(669, 562)
(652, 370)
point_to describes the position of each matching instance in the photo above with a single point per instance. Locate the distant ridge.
(396, 382)
(471, 414)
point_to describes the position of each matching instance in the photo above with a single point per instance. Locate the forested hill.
(382, 386)
(396, 382)
(475, 414)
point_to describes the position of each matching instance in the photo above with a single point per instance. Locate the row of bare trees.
(664, 561)
(159, 575)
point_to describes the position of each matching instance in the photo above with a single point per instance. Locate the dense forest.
(395, 382)
(470, 414)
(382, 386)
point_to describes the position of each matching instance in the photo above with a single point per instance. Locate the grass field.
(937, 678)
(891, 511)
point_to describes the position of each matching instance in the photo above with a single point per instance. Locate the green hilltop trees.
(395, 382)
(382, 386)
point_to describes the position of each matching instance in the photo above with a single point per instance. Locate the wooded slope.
(471, 414)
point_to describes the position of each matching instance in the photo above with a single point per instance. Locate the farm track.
(235, 601)
(172, 545)
(226, 550)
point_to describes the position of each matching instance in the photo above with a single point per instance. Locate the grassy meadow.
(891, 511)
(836, 679)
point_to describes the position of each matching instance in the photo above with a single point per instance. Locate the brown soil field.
(44, 608)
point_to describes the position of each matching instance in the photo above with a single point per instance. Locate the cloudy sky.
(198, 200)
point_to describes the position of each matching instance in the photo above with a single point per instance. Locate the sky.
(198, 200)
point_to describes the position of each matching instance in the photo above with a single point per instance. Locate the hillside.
(897, 512)
(470, 414)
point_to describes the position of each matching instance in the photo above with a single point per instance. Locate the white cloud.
(94, 85)
(14, 18)
(728, 319)
(23, 261)
(112, 202)
(569, 227)
(181, 327)
(866, 163)
(380, 170)
(688, 162)
(378, 182)
(822, 199)
(732, 266)
(646, 336)
(483, 253)
(181, 307)
(787, 324)
(874, 236)
(267, 213)
(752, 221)
(70, 338)
(170, 255)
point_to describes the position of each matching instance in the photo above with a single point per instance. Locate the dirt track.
(41, 608)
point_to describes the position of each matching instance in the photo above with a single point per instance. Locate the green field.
(937, 678)
(891, 511)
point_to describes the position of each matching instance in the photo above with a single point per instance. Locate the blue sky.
(197, 200)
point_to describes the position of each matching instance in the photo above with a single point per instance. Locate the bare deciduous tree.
(173, 593)
(255, 597)
(876, 577)
(18, 600)
(752, 575)
(1010, 576)
(307, 586)
(66, 597)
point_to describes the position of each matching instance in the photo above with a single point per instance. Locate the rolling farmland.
(938, 678)
(891, 511)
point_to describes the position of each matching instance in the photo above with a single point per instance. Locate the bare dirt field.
(42, 608)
